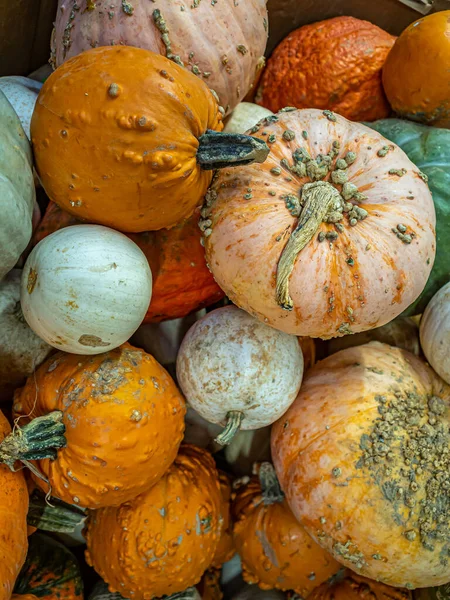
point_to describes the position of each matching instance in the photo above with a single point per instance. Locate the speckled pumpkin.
(275, 550)
(162, 541)
(333, 64)
(182, 283)
(126, 138)
(124, 420)
(416, 76)
(350, 586)
(338, 224)
(363, 457)
(225, 549)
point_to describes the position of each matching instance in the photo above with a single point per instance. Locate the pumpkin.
(415, 74)
(22, 93)
(435, 332)
(429, 149)
(225, 550)
(85, 289)
(51, 571)
(95, 146)
(209, 586)
(350, 586)
(13, 520)
(238, 372)
(246, 448)
(362, 458)
(333, 64)
(100, 592)
(21, 350)
(17, 190)
(244, 117)
(182, 282)
(121, 411)
(173, 526)
(337, 223)
(275, 550)
(402, 332)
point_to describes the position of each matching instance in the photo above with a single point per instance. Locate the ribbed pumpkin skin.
(51, 571)
(333, 64)
(354, 587)
(225, 549)
(275, 550)
(182, 283)
(13, 521)
(124, 421)
(162, 541)
(124, 156)
(416, 76)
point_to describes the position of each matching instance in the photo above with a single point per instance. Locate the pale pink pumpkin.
(221, 41)
(355, 272)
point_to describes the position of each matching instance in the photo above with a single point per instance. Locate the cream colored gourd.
(86, 289)
(435, 332)
(245, 116)
(22, 93)
(17, 193)
(238, 372)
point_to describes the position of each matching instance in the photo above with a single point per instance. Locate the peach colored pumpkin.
(272, 253)
(222, 42)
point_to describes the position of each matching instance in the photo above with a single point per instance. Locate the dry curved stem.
(270, 486)
(318, 199)
(218, 150)
(234, 420)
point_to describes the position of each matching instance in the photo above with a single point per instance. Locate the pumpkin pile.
(225, 308)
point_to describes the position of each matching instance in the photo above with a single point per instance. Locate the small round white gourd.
(22, 93)
(244, 117)
(238, 372)
(435, 332)
(86, 289)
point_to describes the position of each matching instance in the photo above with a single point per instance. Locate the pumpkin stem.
(57, 516)
(234, 420)
(219, 150)
(318, 199)
(270, 486)
(38, 439)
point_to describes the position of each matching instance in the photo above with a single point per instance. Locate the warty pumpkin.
(124, 421)
(362, 456)
(435, 332)
(333, 64)
(51, 571)
(350, 586)
(416, 75)
(225, 550)
(238, 372)
(162, 541)
(338, 225)
(126, 138)
(181, 281)
(429, 150)
(275, 550)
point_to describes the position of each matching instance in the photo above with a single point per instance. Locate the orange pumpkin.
(182, 283)
(13, 520)
(275, 550)
(350, 586)
(124, 420)
(125, 138)
(333, 64)
(162, 541)
(416, 76)
(225, 549)
(363, 456)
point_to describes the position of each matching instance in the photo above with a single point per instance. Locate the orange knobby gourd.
(162, 541)
(416, 74)
(333, 64)
(126, 138)
(350, 586)
(225, 549)
(123, 419)
(275, 550)
(182, 282)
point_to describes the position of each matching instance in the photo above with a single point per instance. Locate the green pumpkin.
(429, 149)
(50, 572)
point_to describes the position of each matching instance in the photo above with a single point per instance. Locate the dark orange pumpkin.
(225, 549)
(334, 64)
(350, 586)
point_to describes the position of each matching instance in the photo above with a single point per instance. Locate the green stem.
(234, 420)
(54, 515)
(270, 486)
(218, 150)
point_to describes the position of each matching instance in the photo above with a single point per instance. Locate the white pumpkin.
(86, 289)
(435, 332)
(238, 372)
(17, 193)
(22, 93)
(244, 117)
(21, 350)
